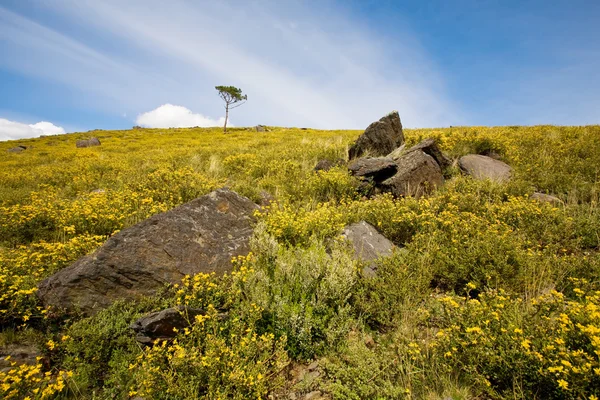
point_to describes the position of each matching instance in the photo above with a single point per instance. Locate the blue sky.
(78, 65)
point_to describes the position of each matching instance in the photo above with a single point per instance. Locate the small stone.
(368, 245)
(546, 198)
(314, 395)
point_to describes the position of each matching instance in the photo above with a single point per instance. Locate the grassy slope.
(529, 333)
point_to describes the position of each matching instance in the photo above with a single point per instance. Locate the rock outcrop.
(380, 138)
(403, 172)
(427, 146)
(376, 168)
(368, 245)
(418, 174)
(483, 167)
(87, 142)
(200, 236)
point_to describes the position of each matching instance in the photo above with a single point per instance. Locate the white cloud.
(172, 116)
(11, 130)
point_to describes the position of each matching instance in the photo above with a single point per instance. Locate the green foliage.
(231, 94)
(304, 292)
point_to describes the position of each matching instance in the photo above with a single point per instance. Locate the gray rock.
(483, 167)
(87, 142)
(418, 174)
(200, 236)
(20, 354)
(17, 149)
(161, 324)
(260, 128)
(266, 198)
(427, 146)
(379, 169)
(368, 245)
(546, 198)
(326, 165)
(380, 138)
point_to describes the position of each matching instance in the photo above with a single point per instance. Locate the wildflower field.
(496, 296)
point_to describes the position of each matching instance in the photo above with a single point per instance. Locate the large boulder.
(418, 174)
(427, 146)
(376, 168)
(87, 142)
(380, 138)
(483, 167)
(200, 236)
(368, 245)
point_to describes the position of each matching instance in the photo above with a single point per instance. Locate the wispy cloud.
(298, 67)
(12, 130)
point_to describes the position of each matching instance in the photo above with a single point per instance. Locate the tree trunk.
(226, 116)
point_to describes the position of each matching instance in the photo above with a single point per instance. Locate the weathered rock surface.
(17, 149)
(161, 324)
(260, 128)
(483, 167)
(418, 174)
(19, 354)
(200, 236)
(546, 198)
(427, 146)
(380, 138)
(376, 168)
(368, 245)
(88, 142)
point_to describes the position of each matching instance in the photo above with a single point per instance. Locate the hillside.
(494, 295)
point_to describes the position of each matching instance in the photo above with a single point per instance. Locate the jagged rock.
(17, 149)
(87, 142)
(200, 236)
(326, 165)
(379, 169)
(368, 245)
(160, 324)
(380, 138)
(418, 174)
(484, 167)
(546, 198)
(260, 128)
(427, 146)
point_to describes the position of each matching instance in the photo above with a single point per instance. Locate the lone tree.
(231, 96)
